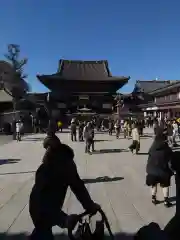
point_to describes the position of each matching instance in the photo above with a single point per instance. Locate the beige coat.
(135, 135)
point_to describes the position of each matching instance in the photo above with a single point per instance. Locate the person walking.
(158, 167)
(73, 130)
(80, 131)
(57, 172)
(170, 133)
(125, 129)
(175, 132)
(135, 139)
(117, 128)
(129, 127)
(88, 134)
(19, 126)
(141, 127)
(155, 126)
(111, 125)
(60, 126)
(14, 128)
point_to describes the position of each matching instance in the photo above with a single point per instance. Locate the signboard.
(178, 95)
(61, 105)
(107, 105)
(152, 108)
(84, 97)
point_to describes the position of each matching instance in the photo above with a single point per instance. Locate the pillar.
(118, 110)
(168, 114)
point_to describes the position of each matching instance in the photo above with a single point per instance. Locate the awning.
(85, 109)
(169, 107)
(152, 108)
(85, 113)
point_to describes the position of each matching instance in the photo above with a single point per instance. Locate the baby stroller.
(84, 231)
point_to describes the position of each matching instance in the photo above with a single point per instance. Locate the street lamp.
(119, 104)
(2, 80)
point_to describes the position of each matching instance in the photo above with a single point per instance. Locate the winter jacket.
(135, 135)
(88, 133)
(169, 130)
(73, 127)
(159, 159)
(57, 172)
(175, 128)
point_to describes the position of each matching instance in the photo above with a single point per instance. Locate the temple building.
(82, 88)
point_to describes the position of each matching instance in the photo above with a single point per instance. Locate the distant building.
(161, 98)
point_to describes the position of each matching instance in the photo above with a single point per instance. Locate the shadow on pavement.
(101, 132)
(102, 179)
(23, 236)
(64, 131)
(102, 140)
(33, 139)
(9, 161)
(147, 136)
(144, 138)
(11, 173)
(141, 153)
(101, 151)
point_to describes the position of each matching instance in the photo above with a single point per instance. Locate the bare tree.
(14, 80)
(13, 56)
(17, 85)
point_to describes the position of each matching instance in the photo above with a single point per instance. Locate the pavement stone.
(122, 194)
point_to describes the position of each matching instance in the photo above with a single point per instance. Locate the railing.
(166, 99)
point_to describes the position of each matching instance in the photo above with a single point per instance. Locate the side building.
(161, 98)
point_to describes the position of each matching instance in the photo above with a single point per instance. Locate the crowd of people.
(85, 133)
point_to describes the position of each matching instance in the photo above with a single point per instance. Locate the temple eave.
(55, 77)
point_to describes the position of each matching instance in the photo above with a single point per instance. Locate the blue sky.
(140, 38)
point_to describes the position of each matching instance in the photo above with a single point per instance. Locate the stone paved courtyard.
(114, 177)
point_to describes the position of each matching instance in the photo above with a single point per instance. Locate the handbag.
(84, 231)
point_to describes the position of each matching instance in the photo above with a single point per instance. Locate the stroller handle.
(81, 215)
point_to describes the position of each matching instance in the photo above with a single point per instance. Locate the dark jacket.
(81, 127)
(160, 156)
(73, 127)
(57, 172)
(169, 130)
(110, 125)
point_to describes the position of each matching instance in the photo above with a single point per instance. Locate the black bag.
(84, 232)
(151, 231)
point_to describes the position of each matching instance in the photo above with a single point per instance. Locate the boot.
(167, 203)
(154, 200)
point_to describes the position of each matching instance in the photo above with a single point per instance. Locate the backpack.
(84, 231)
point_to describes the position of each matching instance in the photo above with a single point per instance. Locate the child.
(135, 139)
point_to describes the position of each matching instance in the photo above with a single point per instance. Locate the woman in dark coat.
(158, 167)
(55, 174)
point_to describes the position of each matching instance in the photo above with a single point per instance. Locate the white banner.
(84, 97)
(107, 105)
(61, 105)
